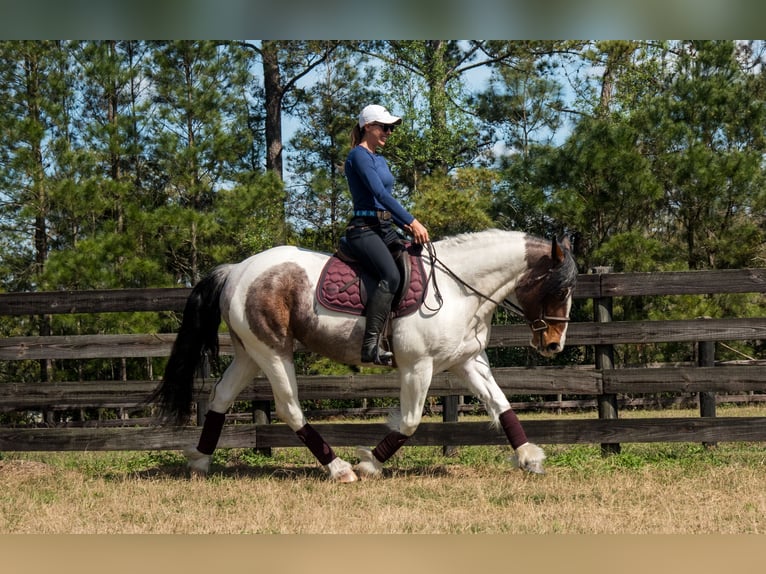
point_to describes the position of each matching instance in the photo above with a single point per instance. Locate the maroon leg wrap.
(386, 448)
(316, 444)
(512, 427)
(211, 432)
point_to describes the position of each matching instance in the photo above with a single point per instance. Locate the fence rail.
(614, 333)
(513, 381)
(604, 383)
(428, 434)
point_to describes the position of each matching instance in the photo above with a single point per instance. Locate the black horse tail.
(197, 336)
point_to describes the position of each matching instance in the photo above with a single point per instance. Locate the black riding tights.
(369, 245)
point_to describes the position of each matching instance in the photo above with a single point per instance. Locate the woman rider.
(370, 233)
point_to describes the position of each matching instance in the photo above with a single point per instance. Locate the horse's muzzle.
(552, 348)
(546, 349)
(548, 334)
(546, 343)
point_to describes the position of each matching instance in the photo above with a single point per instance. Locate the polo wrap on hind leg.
(386, 448)
(211, 432)
(316, 444)
(512, 427)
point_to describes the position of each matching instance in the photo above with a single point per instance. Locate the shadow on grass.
(176, 471)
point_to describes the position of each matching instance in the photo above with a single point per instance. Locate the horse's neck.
(490, 261)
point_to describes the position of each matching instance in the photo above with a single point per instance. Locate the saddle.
(343, 284)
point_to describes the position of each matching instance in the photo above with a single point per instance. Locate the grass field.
(648, 488)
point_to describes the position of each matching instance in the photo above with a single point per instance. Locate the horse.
(269, 303)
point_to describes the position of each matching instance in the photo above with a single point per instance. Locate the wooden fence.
(602, 381)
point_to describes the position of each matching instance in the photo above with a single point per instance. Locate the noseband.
(537, 325)
(541, 324)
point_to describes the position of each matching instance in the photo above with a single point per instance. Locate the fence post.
(262, 416)
(706, 358)
(604, 355)
(450, 408)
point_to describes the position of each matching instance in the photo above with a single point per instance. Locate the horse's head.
(545, 293)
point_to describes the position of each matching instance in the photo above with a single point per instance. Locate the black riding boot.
(378, 309)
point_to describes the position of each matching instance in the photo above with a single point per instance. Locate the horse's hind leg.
(478, 377)
(236, 377)
(280, 370)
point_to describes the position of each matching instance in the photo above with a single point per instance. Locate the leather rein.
(536, 325)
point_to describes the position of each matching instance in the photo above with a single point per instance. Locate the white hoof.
(341, 471)
(369, 466)
(199, 464)
(529, 457)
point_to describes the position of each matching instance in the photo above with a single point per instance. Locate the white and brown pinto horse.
(269, 304)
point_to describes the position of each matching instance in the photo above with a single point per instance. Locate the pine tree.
(710, 121)
(320, 200)
(199, 142)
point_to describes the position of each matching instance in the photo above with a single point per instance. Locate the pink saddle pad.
(342, 288)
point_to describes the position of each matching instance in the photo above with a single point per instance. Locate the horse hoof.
(341, 471)
(368, 466)
(534, 467)
(529, 457)
(348, 476)
(199, 464)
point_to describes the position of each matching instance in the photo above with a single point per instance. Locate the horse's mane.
(562, 276)
(459, 239)
(565, 275)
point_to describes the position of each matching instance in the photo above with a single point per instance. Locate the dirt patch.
(25, 469)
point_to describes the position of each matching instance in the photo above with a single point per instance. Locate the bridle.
(541, 323)
(536, 325)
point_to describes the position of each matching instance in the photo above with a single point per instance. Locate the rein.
(539, 324)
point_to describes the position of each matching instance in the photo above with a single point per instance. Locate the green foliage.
(523, 101)
(248, 218)
(425, 85)
(705, 132)
(605, 186)
(320, 202)
(449, 205)
(631, 250)
(690, 458)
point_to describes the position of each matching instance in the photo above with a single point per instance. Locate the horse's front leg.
(414, 383)
(478, 376)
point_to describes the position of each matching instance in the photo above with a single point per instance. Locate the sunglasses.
(385, 127)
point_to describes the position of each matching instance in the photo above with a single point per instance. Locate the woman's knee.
(391, 279)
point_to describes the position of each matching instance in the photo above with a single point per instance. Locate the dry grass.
(649, 488)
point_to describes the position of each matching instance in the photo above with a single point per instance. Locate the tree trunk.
(436, 76)
(273, 92)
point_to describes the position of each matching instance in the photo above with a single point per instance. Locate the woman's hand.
(418, 231)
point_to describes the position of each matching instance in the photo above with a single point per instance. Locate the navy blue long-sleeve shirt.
(371, 181)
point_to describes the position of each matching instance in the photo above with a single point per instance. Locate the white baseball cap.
(375, 113)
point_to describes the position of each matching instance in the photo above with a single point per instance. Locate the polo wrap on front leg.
(316, 444)
(392, 442)
(512, 427)
(211, 432)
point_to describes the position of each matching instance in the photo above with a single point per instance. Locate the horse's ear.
(559, 249)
